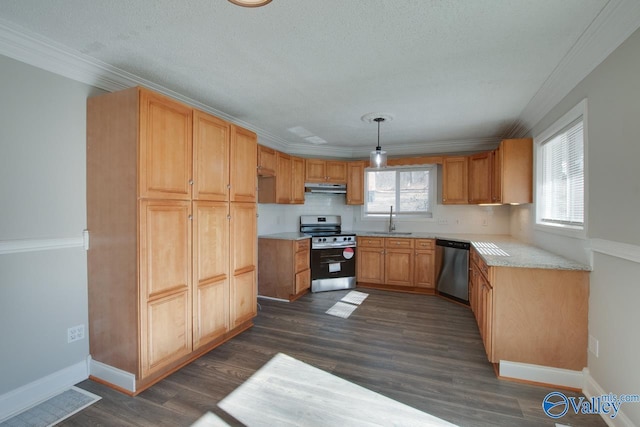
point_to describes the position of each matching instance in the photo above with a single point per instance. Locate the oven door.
(330, 263)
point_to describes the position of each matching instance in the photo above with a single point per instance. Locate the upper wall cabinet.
(480, 174)
(512, 178)
(267, 161)
(333, 171)
(355, 183)
(455, 180)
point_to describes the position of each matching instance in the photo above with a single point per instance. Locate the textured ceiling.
(450, 72)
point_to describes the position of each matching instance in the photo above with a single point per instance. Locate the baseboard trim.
(108, 374)
(592, 389)
(547, 375)
(22, 398)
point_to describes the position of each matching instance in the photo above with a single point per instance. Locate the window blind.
(563, 177)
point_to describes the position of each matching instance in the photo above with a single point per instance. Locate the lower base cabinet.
(531, 315)
(403, 264)
(283, 268)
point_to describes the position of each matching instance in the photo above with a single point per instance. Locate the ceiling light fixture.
(250, 3)
(378, 158)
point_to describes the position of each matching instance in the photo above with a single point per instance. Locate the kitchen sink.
(391, 233)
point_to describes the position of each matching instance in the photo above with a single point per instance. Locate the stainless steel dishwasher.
(453, 269)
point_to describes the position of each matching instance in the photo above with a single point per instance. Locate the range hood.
(314, 187)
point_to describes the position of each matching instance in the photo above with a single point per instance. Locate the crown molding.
(613, 25)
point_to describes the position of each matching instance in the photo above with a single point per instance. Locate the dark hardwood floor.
(421, 350)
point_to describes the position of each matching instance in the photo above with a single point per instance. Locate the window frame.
(577, 112)
(399, 217)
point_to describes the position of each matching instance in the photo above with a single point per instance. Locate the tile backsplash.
(274, 218)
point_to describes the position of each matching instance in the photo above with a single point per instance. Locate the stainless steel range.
(333, 253)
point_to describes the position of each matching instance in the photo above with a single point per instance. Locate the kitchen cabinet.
(284, 270)
(398, 261)
(283, 178)
(424, 264)
(455, 180)
(331, 171)
(512, 179)
(267, 161)
(171, 215)
(531, 315)
(244, 157)
(211, 138)
(355, 183)
(165, 148)
(297, 180)
(370, 260)
(480, 176)
(243, 230)
(286, 186)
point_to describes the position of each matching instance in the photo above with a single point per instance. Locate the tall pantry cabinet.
(171, 213)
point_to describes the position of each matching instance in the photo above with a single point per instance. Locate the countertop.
(293, 235)
(519, 254)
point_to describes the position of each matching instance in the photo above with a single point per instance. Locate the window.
(410, 190)
(560, 191)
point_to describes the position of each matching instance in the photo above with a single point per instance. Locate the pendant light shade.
(378, 157)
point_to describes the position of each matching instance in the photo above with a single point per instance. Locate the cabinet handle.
(190, 182)
(228, 216)
(190, 217)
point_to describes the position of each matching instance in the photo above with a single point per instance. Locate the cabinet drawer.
(425, 243)
(301, 245)
(302, 261)
(399, 243)
(303, 281)
(371, 242)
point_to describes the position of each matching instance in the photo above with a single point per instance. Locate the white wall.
(42, 194)
(459, 219)
(613, 128)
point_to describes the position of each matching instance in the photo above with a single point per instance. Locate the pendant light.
(378, 158)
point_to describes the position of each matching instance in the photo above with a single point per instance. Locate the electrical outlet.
(443, 221)
(485, 222)
(75, 333)
(593, 345)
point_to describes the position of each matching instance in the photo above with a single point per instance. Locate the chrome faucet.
(392, 226)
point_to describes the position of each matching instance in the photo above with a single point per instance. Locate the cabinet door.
(496, 176)
(355, 183)
(424, 268)
(398, 267)
(244, 157)
(210, 271)
(336, 171)
(266, 161)
(165, 283)
(480, 177)
(486, 327)
(165, 168)
(454, 180)
(283, 179)
(297, 180)
(315, 170)
(243, 244)
(210, 160)
(370, 265)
